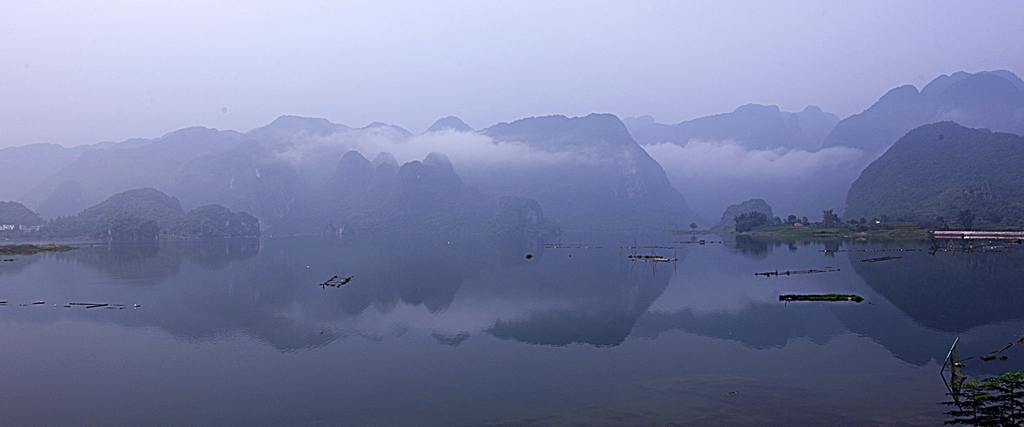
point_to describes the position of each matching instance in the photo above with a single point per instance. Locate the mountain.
(759, 127)
(27, 166)
(285, 129)
(941, 169)
(14, 213)
(634, 123)
(597, 176)
(450, 122)
(992, 100)
(107, 169)
(65, 200)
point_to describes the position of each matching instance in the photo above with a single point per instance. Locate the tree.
(829, 219)
(693, 225)
(792, 219)
(995, 401)
(749, 221)
(965, 218)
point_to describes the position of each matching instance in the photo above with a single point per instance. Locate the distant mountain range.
(758, 127)
(306, 175)
(831, 152)
(993, 100)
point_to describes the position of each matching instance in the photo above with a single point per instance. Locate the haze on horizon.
(101, 71)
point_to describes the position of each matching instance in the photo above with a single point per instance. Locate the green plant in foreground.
(993, 401)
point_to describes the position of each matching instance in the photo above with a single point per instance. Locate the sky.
(88, 71)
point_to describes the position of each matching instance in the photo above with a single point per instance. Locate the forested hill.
(941, 169)
(143, 214)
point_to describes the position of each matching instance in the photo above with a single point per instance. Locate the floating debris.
(39, 303)
(884, 258)
(336, 282)
(529, 256)
(791, 272)
(821, 297)
(730, 393)
(8, 259)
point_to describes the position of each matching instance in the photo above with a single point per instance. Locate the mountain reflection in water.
(585, 315)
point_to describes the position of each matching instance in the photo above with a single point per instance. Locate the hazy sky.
(88, 71)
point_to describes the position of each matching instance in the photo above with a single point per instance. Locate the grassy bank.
(883, 231)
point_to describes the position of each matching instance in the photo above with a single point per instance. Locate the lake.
(479, 330)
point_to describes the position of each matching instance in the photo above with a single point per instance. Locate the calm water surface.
(466, 330)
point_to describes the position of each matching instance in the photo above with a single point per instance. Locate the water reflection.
(588, 292)
(147, 264)
(472, 317)
(760, 326)
(12, 264)
(951, 292)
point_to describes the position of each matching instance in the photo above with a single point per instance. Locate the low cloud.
(466, 150)
(712, 175)
(730, 160)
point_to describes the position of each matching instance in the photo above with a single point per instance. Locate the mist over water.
(713, 175)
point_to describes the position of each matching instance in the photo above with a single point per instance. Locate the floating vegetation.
(792, 272)
(700, 242)
(569, 246)
(884, 258)
(651, 258)
(336, 282)
(636, 246)
(957, 245)
(989, 357)
(30, 249)
(870, 250)
(821, 297)
(107, 306)
(8, 259)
